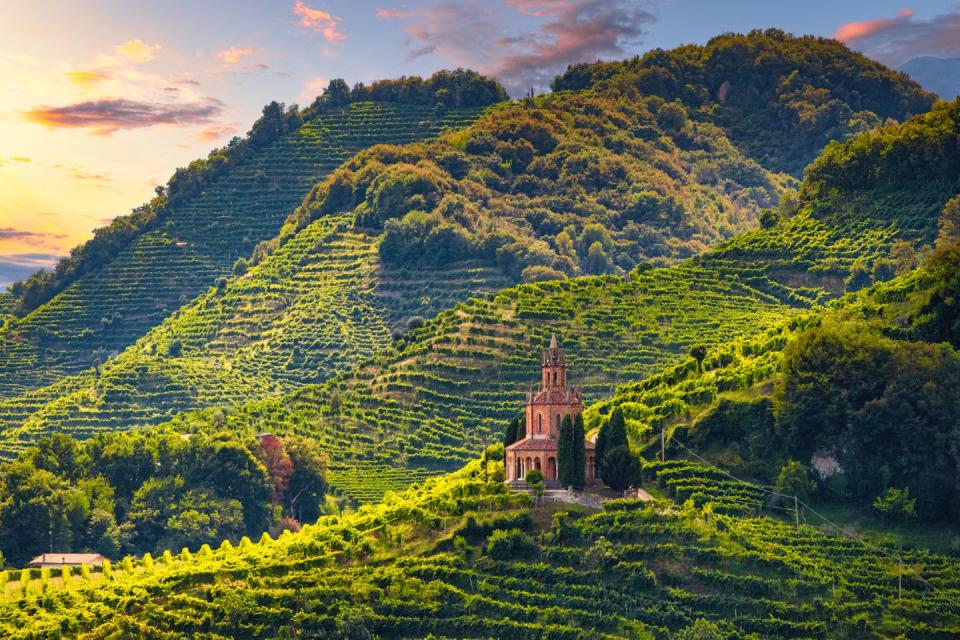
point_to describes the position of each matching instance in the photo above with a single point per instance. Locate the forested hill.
(778, 97)
(142, 267)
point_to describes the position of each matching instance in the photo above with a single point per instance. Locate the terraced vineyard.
(461, 557)
(198, 241)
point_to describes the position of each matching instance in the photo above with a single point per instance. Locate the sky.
(100, 100)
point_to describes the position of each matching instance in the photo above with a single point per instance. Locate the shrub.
(510, 544)
(896, 504)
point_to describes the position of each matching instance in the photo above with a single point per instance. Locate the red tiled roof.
(542, 444)
(534, 444)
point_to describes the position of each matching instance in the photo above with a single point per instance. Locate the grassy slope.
(393, 570)
(200, 239)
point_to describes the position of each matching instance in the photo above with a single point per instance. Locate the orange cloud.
(136, 51)
(111, 114)
(858, 30)
(319, 21)
(215, 132)
(392, 13)
(86, 78)
(233, 54)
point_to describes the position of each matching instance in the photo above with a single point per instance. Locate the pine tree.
(579, 452)
(566, 456)
(601, 443)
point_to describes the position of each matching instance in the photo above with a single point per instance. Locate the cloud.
(319, 21)
(564, 32)
(21, 159)
(18, 266)
(313, 88)
(87, 78)
(392, 13)
(422, 51)
(896, 40)
(137, 51)
(112, 114)
(215, 132)
(234, 55)
(29, 237)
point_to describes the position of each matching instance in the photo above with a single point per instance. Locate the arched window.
(554, 377)
(539, 423)
(558, 423)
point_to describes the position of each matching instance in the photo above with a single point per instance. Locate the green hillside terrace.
(462, 557)
(199, 239)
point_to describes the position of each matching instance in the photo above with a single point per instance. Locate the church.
(546, 408)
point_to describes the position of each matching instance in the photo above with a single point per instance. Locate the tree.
(513, 432)
(534, 479)
(616, 430)
(579, 452)
(278, 464)
(896, 504)
(566, 455)
(949, 227)
(698, 353)
(308, 484)
(794, 480)
(700, 630)
(620, 468)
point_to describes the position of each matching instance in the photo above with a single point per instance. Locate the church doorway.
(551, 468)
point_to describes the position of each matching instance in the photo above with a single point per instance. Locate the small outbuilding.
(67, 560)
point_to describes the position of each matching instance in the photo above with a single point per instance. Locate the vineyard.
(460, 556)
(197, 242)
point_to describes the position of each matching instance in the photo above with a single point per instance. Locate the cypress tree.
(579, 452)
(510, 434)
(566, 456)
(616, 431)
(601, 443)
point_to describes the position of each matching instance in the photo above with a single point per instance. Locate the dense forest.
(126, 493)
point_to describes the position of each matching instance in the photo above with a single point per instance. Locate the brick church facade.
(546, 408)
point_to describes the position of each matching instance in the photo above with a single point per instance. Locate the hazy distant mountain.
(940, 75)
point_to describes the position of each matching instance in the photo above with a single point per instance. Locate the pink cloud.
(392, 13)
(564, 32)
(234, 54)
(319, 21)
(112, 114)
(896, 40)
(858, 30)
(215, 132)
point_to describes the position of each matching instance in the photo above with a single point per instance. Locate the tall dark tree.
(616, 430)
(566, 454)
(513, 432)
(620, 468)
(579, 452)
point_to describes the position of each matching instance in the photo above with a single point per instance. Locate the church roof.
(533, 444)
(553, 342)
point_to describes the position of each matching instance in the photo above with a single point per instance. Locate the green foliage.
(794, 480)
(579, 452)
(566, 454)
(620, 468)
(778, 97)
(511, 544)
(141, 492)
(514, 431)
(896, 504)
(886, 409)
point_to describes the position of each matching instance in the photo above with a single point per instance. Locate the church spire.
(553, 342)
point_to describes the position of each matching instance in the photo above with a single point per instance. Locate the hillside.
(778, 97)
(462, 557)
(214, 212)
(417, 403)
(558, 186)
